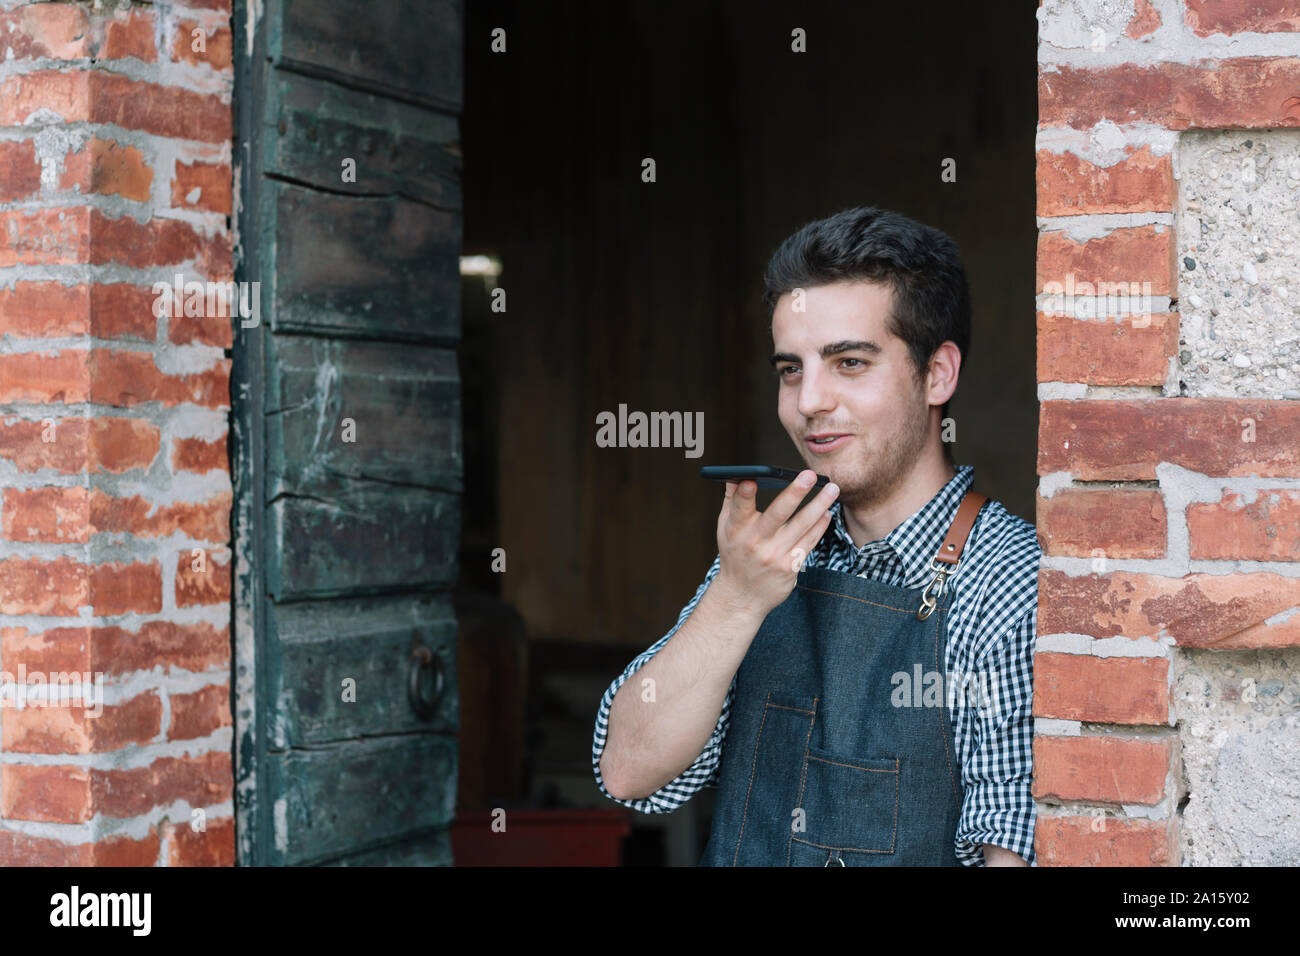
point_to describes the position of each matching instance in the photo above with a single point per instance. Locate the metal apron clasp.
(930, 601)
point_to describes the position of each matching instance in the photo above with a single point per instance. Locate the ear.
(945, 365)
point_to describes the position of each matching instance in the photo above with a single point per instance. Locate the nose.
(816, 397)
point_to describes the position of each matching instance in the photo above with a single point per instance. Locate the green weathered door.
(346, 429)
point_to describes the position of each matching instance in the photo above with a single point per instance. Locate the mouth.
(824, 442)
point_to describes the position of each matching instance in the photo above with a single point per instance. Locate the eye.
(858, 361)
(780, 372)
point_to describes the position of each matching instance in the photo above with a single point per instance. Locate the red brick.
(132, 35)
(49, 794)
(66, 93)
(1145, 20)
(44, 309)
(199, 781)
(50, 309)
(17, 849)
(72, 730)
(60, 31)
(1075, 841)
(216, 331)
(137, 721)
(56, 649)
(195, 454)
(1133, 350)
(124, 379)
(1138, 255)
(1071, 186)
(1109, 690)
(21, 443)
(56, 588)
(124, 851)
(1121, 440)
(162, 110)
(1221, 611)
(115, 651)
(103, 444)
(1246, 92)
(109, 168)
(209, 586)
(158, 242)
(1267, 529)
(214, 845)
(102, 97)
(213, 180)
(121, 588)
(45, 236)
(81, 235)
(202, 520)
(122, 444)
(216, 52)
(1097, 770)
(20, 172)
(190, 647)
(46, 514)
(118, 310)
(74, 514)
(1208, 17)
(215, 323)
(1122, 523)
(45, 377)
(200, 713)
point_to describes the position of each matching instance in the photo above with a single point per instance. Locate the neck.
(874, 520)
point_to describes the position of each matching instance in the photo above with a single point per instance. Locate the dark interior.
(649, 294)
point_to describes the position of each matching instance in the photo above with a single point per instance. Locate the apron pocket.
(850, 804)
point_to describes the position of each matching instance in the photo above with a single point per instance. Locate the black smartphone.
(766, 476)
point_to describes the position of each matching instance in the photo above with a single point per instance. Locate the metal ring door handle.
(425, 707)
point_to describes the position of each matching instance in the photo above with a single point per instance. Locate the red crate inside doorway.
(541, 838)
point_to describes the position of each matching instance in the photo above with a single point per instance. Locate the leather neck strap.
(950, 550)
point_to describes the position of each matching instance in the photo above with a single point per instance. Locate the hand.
(761, 552)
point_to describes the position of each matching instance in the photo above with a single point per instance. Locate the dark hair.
(931, 299)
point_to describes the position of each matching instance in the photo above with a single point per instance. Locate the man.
(856, 699)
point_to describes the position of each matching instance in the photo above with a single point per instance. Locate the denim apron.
(839, 750)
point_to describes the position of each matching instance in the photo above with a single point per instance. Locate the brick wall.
(1150, 447)
(115, 153)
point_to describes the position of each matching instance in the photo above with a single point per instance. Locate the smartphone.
(766, 476)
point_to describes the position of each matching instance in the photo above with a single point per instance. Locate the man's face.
(840, 373)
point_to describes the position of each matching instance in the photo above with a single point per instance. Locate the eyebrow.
(832, 348)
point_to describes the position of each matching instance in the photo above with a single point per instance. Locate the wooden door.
(346, 430)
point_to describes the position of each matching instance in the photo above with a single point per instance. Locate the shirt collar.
(918, 538)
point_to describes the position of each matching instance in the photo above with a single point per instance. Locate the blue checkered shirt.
(991, 631)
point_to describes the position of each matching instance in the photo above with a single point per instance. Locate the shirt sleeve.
(704, 771)
(998, 804)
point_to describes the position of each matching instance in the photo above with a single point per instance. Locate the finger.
(799, 526)
(725, 511)
(743, 502)
(784, 504)
(814, 534)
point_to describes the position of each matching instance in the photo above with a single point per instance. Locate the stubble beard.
(878, 473)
